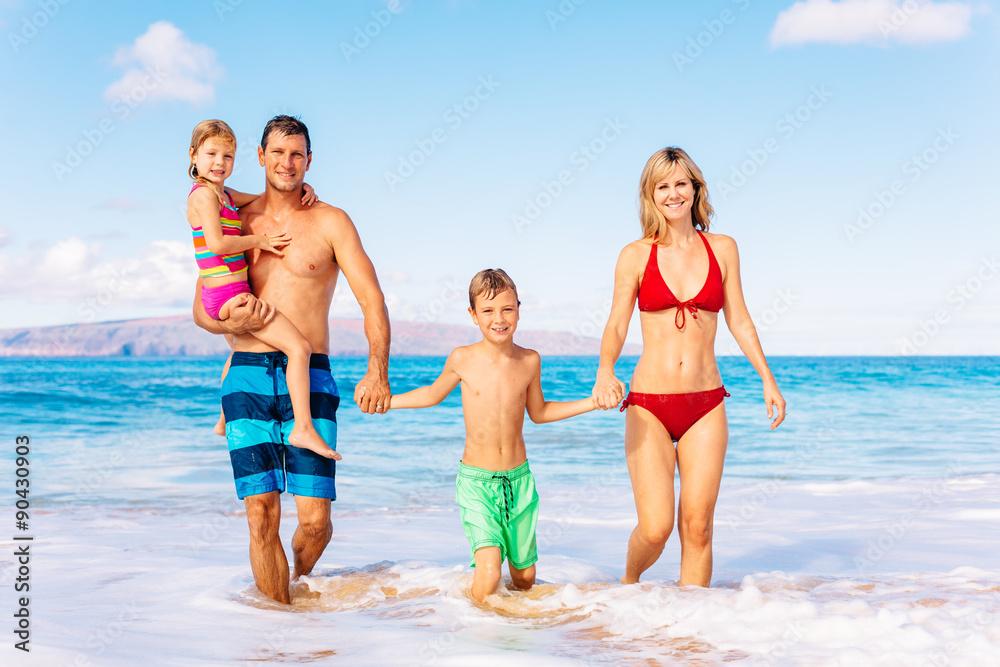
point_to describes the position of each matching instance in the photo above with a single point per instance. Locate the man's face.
(285, 161)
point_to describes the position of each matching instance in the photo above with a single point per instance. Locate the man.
(300, 284)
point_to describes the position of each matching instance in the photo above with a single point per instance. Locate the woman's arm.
(432, 394)
(541, 411)
(608, 389)
(205, 208)
(741, 326)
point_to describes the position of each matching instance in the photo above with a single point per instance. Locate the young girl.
(219, 247)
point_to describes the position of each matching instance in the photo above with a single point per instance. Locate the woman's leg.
(650, 455)
(701, 454)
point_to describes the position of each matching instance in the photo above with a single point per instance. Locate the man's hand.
(251, 315)
(372, 393)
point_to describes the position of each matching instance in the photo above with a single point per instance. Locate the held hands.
(775, 403)
(275, 242)
(608, 391)
(308, 195)
(372, 393)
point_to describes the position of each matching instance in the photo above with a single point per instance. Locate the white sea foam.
(897, 572)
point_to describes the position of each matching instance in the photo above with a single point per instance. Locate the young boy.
(495, 490)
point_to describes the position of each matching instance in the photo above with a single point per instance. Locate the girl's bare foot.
(312, 441)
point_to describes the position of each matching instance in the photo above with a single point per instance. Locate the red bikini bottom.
(677, 412)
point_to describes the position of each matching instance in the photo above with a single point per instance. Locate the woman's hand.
(608, 390)
(308, 195)
(775, 403)
(275, 242)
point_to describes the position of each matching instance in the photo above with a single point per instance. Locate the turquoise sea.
(873, 512)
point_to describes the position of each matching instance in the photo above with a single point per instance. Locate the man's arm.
(372, 392)
(249, 316)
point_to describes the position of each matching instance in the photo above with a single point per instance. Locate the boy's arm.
(432, 394)
(541, 411)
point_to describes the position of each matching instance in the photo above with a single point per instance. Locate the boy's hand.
(608, 391)
(308, 195)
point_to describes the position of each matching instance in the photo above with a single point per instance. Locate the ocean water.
(863, 531)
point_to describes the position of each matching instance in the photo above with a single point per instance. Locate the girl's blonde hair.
(203, 131)
(654, 223)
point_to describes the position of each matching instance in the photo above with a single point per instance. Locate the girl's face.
(214, 160)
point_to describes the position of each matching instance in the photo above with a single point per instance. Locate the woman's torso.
(678, 341)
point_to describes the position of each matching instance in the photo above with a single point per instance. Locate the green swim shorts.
(499, 509)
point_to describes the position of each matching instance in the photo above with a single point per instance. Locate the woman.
(677, 393)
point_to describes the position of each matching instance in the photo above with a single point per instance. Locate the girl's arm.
(541, 411)
(432, 394)
(608, 389)
(205, 208)
(241, 199)
(741, 326)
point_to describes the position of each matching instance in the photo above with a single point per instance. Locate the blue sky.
(850, 149)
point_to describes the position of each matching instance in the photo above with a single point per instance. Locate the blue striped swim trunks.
(259, 418)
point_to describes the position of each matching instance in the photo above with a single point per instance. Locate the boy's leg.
(487, 573)
(282, 334)
(522, 579)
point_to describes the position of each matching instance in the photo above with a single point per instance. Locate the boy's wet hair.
(285, 126)
(488, 283)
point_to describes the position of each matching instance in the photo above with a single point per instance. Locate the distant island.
(179, 336)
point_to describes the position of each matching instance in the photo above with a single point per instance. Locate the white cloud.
(164, 64)
(879, 22)
(73, 272)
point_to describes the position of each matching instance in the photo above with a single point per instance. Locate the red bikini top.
(655, 295)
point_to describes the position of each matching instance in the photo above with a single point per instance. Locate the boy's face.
(496, 317)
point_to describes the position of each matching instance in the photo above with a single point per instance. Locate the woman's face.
(673, 196)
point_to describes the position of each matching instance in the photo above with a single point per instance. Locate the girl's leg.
(650, 456)
(700, 457)
(487, 575)
(282, 334)
(220, 426)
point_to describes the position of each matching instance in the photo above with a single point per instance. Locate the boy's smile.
(496, 317)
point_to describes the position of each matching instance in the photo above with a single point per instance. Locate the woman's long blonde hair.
(654, 223)
(203, 131)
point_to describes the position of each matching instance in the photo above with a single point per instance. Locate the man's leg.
(267, 557)
(312, 534)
